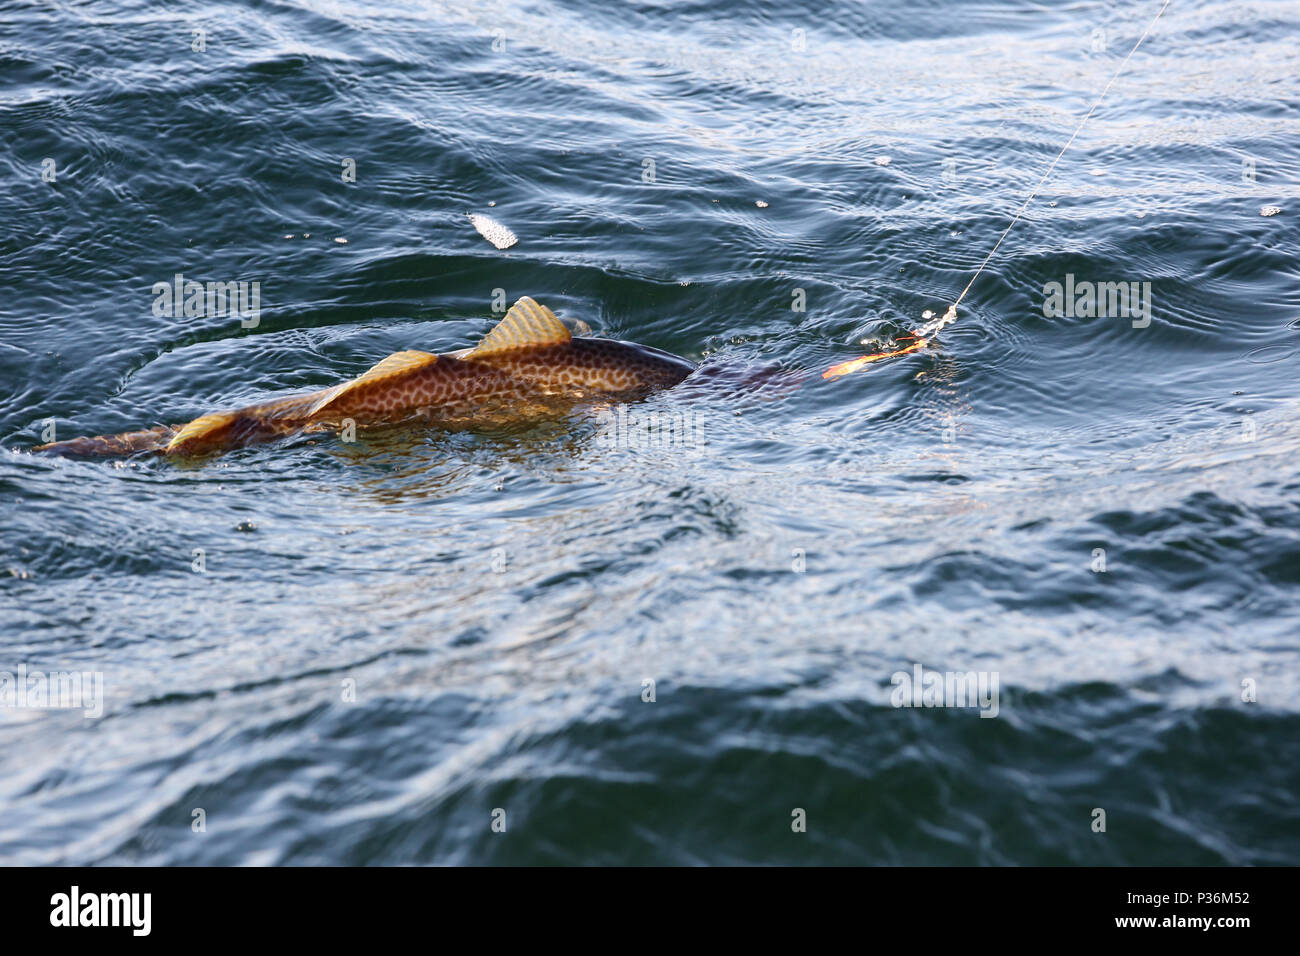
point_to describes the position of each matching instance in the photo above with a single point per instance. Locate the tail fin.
(112, 446)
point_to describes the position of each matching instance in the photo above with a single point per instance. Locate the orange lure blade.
(844, 368)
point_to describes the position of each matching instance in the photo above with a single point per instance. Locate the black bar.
(328, 906)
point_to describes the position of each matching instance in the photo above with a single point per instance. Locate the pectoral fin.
(526, 326)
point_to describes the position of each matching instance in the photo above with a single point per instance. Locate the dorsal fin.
(203, 434)
(395, 364)
(399, 363)
(526, 326)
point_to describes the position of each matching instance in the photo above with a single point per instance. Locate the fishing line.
(927, 332)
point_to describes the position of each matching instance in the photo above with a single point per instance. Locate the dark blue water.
(360, 652)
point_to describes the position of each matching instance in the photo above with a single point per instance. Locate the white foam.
(493, 231)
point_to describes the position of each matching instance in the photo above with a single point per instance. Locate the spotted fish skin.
(529, 361)
(584, 367)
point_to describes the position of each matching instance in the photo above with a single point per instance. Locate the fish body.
(528, 363)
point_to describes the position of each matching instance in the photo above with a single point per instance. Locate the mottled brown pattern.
(461, 386)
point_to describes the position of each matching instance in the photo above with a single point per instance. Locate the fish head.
(532, 344)
(610, 365)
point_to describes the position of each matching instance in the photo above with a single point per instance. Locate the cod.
(528, 364)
